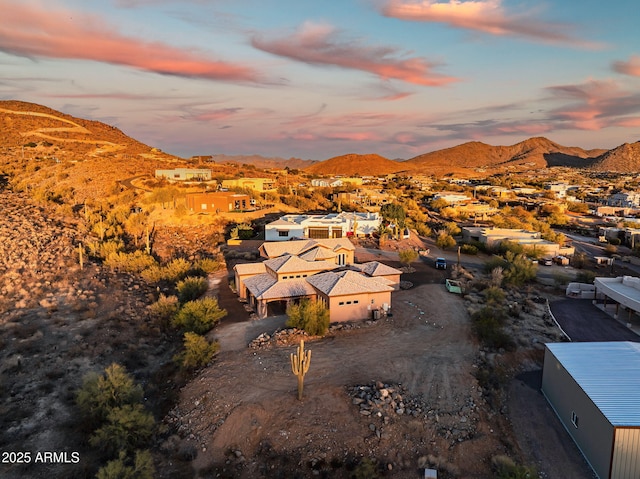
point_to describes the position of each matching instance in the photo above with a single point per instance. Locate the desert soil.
(240, 416)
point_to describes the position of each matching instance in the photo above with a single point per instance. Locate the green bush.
(173, 271)
(469, 249)
(199, 316)
(141, 467)
(126, 428)
(100, 393)
(407, 256)
(585, 276)
(209, 265)
(191, 288)
(130, 262)
(506, 468)
(487, 324)
(494, 295)
(165, 308)
(445, 240)
(310, 316)
(197, 351)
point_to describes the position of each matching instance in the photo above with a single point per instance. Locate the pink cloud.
(29, 31)
(631, 67)
(486, 16)
(319, 45)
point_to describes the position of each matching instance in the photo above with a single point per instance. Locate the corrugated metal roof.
(609, 373)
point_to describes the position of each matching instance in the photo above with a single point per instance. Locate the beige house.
(317, 271)
(255, 184)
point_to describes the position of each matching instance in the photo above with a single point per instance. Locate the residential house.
(331, 225)
(313, 269)
(255, 184)
(217, 202)
(624, 200)
(185, 174)
(492, 237)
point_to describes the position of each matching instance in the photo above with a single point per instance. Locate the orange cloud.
(631, 67)
(28, 31)
(318, 45)
(486, 16)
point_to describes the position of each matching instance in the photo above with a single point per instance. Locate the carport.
(623, 290)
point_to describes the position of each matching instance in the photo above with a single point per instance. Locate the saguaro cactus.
(300, 365)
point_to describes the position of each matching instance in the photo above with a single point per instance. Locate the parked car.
(547, 261)
(441, 263)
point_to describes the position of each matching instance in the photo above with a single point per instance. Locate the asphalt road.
(584, 322)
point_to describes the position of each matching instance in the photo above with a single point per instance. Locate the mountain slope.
(623, 159)
(353, 164)
(535, 152)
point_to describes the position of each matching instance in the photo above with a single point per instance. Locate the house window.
(574, 419)
(355, 301)
(341, 303)
(348, 302)
(283, 233)
(203, 206)
(297, 276)
(304, 275)
(342, 259)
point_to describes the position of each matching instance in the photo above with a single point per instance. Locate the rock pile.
(385, 401)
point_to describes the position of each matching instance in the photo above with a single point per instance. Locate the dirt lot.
(240, 416)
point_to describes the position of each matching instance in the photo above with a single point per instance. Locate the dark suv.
(441, 263)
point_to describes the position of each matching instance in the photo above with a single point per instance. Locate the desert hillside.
(353, 164)
(536, 152)
(623, 159)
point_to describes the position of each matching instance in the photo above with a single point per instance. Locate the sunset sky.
(316, 79)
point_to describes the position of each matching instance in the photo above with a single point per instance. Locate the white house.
(332, 225)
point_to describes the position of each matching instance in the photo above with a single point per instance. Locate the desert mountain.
(623, 159)
(353, 164)
(263, 161)
(532, 153)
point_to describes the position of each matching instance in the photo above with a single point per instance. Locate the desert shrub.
(104, 249)
(209, 265)
(407, 256)
(197, 351)
(140, 467)
(585, 277)
(191, 288)
(445, 240)
(520, 269)
(615, 241)
(494, 295)
(100, 393)
(126, 428)
(310, 316)
(579, 260)
(506, 468)
(367, 469)
(423, 230)
(469, 249)
(452, 228)
(487, 324)
(610, 249)
(165, 308)
(495, 262)
(506, 246)
(561, 279)
(199, 316)
(173, 271)
(130, 262)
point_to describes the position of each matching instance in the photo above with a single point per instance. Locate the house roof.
(609, 373)
(265, 286)
(318, 254)
(281, 222)
(250, 268)
(375, 268)
(292, 264)
(273, 249)
(347, 282)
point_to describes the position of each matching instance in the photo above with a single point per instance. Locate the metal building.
(594, 388)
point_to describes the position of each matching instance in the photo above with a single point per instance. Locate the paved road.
(584, 322)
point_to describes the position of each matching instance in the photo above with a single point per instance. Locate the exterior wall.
(626, 453)
(184, 174)
(212, 202)
(594, 434)
(355, 311)
(273, 233)
(257, 184)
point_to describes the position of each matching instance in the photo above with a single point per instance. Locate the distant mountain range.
(75, 138)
